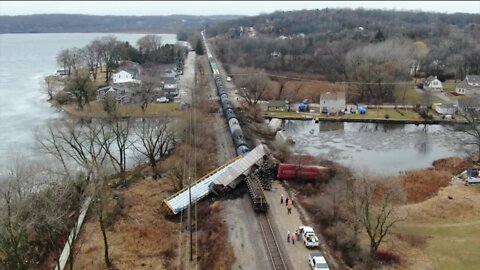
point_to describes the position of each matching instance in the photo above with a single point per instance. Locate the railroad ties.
(273, 248)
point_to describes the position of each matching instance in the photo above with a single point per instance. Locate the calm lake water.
(25, 59)
(378, 148)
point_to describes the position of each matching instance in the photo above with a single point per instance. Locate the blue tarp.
(302, 107)
(362, 110)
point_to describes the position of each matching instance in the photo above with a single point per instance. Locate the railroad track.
(273, 248)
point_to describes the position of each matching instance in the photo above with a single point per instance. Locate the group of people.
(297, 235)
(288, 203)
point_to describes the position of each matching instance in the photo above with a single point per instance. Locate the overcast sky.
(218, 7)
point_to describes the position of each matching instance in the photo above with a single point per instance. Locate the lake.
(379, 148)
(25, 60)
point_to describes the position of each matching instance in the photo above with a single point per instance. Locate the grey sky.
(219, 7)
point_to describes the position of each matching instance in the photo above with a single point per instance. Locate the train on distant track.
(236, 132)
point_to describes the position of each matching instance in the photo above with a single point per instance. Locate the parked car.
(317, 261)
(310, 240)
(229, 79)
(163, 100)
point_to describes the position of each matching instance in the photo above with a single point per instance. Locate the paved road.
(297, 253)
(440, 95)
(186, 80)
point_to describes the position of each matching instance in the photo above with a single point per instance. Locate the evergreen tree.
(199, 47)
(379, 37)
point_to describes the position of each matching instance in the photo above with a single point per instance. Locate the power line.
(335, 82)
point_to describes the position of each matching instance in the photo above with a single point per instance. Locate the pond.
(378, 148)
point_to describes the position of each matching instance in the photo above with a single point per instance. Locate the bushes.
(63, 97)
(214, 249)
(387, 257)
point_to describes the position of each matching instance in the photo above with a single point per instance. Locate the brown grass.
(140, 237)
(215, 250)
(453, 165)
(422, 184)
(95, 109)
(297, 91)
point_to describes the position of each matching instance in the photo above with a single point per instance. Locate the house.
(168, 70)
(124, 76)
(332, 102)
(433, 84)
(445, 108)
(122, 93)
(277, 105)
(170, 88)
(470, 86)
(469, 103)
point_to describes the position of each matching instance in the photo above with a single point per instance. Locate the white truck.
(310, 240)
(317, 262)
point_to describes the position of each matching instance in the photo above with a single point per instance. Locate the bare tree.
(70, 140)
(91, 58)
(147, 92)
(377, 64)
(253, 86)
(35, 208)
(149, 44)
(155, 138)
(64, 60)
(107, 47)
(377, 212)
(116, 141)
(471, 115)
(49, 86)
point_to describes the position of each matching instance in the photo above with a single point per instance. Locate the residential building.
(433, 84)
(124, 76)
(332, 103)
(123, 93)
(277, 105)
(469, 103)
(170, 88)
(470, 86)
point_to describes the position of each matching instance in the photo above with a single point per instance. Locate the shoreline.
(303, 117)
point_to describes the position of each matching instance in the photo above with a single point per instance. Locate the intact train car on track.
(236, 132)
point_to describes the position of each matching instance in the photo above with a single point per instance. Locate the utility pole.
(190, 216)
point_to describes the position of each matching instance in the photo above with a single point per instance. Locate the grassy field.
(451, 245)
(412, 96)
(371, 114)
(95, 109)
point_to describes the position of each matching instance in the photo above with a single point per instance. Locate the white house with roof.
(122, 93)
(433, 84)
(124, 77)
(470, 86)
(332, 102)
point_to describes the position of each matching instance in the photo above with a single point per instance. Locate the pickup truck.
(317, 262)
(310, 240)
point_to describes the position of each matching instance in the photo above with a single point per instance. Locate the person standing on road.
(288, 236)
(281, 199)
(286, 201)
(293, 238)
(289, 207)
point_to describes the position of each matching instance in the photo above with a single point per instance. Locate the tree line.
(75, 23)
(367, 46)
(107, 52)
